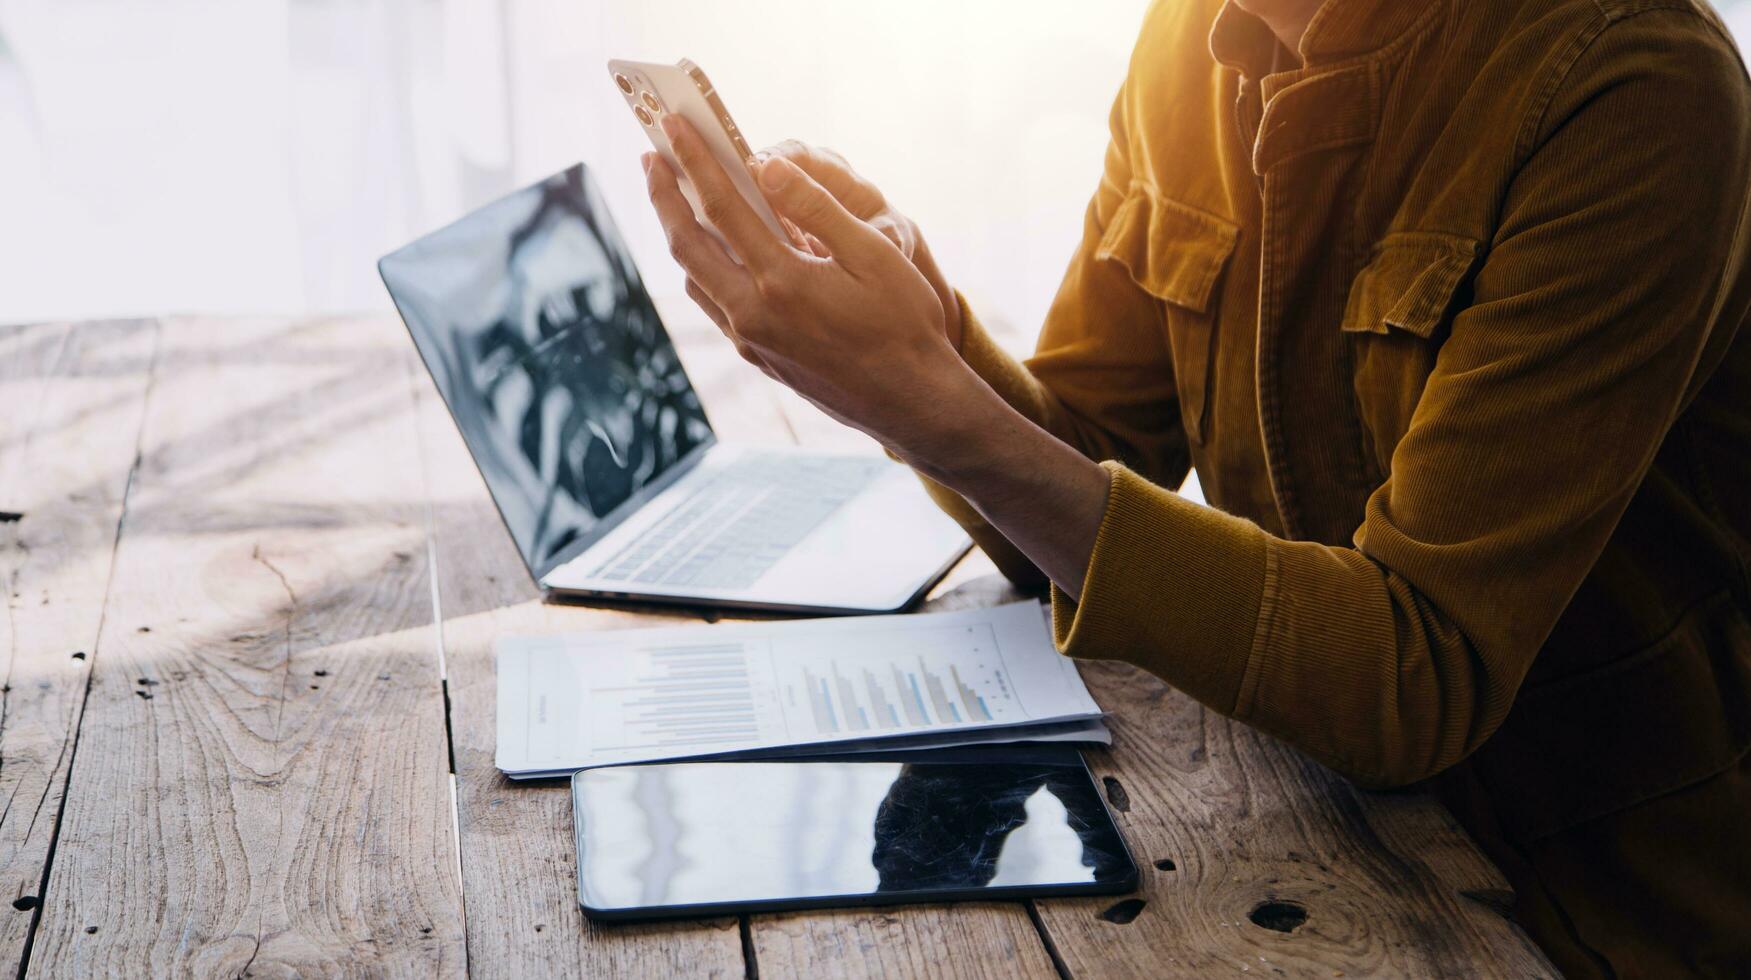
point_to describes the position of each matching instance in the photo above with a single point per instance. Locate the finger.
(744, 350)
(898, 232)
(830, 170)
(797, 237)
(705, 303)
(703, 259)
(798, 197)
(722, 203)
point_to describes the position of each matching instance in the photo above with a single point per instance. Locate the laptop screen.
(546, 347)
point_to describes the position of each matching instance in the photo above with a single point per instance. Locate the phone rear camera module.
(643, 114)
(651, 103)
(624, 83)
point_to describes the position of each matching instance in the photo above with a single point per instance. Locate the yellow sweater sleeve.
(1169, 576)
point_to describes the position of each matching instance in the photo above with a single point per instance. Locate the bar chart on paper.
(641, 695)
(890, 705)
(680, 695)
(950, 679)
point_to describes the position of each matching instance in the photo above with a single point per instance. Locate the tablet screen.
(692, 838)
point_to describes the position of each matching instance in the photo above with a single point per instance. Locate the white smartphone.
(650, 90)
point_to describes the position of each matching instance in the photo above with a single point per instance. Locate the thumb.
(796, 195)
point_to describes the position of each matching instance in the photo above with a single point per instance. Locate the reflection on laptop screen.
(543, 342)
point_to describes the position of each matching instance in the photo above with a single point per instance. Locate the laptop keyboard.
(739, 522)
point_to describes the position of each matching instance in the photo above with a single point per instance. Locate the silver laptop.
(548, 351)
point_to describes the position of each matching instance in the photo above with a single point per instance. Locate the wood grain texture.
(73, 397)
(1271, 863)
(961, 940)
(261, 783)
(1226, 822)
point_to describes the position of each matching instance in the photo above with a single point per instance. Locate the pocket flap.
(1173, 251)
(1410, 283)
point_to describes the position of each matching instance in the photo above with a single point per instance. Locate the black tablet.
(707, 838)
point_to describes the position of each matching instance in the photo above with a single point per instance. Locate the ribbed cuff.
(1173, 587)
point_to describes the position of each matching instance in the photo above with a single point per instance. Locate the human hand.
(851, 323)
(865, 201)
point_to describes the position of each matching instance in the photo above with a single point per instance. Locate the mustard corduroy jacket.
(1445, 309)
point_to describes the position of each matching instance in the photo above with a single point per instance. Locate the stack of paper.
(786, 689)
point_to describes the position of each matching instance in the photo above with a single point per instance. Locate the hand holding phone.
(681, 89)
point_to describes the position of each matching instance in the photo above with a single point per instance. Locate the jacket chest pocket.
(1396, 319)
(1176, 253)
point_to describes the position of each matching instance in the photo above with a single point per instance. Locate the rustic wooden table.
(247, 723)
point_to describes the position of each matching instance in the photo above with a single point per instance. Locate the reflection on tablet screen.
(705, 833)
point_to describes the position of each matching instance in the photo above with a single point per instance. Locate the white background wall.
(258, 155)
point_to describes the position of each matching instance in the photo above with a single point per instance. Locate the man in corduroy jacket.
(1443, 300)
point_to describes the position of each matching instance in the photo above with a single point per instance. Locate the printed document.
(866, 683)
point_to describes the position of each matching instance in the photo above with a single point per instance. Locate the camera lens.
(625, 85)
(651, 103)
(643, 114)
